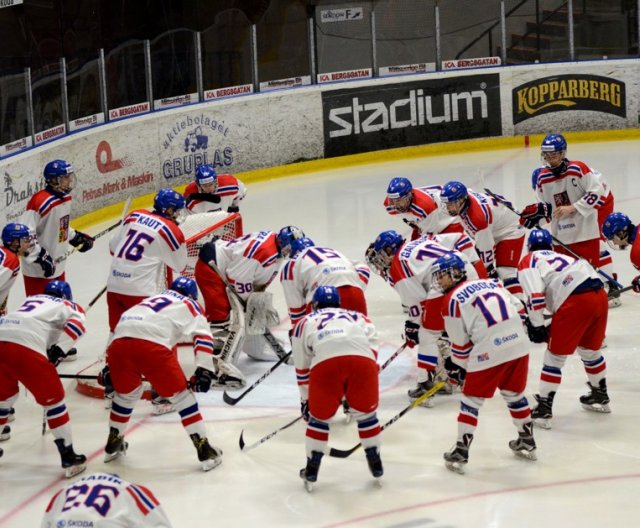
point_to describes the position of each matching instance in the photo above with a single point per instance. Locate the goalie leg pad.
(260, 314)
(227, 376)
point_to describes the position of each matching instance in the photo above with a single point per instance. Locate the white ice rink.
(588, 468)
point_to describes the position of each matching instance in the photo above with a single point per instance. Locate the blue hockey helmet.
(539, 239)
(325, 297)
(617, 229)
(534, 177)
(553, 152)
(554, 143)
(454, 195)
(385, 246)
(448, 265)
(206, 175)
(299, 244)
(285, 237)
(399, 193)
(168, 203)
(12, 232)
(59, 289)
(186, 287)
(56, 169)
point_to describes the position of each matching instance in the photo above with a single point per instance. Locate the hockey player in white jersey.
(104, 500)
(311, 266)
(48, 215)
(211, 191)
(490, 351)
(408, 267)
(142, 346)
(335, 354)
(572, 291)
(17, 241)
(33, 340)
(495, 229)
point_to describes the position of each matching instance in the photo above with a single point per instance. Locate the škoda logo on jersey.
(569, 92)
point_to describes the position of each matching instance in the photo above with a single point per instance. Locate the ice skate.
(211, 457)
(12, 415)
(160, 406)
(72, 463)
(71, 355)
(116, 446)
(310, 473)
(542, 415)
(613, 292)
(524, 446)
(598, 399)
(421, 388)
(456, 459)
(5, 434)
(375, 462)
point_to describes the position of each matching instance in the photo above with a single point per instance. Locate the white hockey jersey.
(144, 245)
(230, 192)
(317, 266)
(489, 222)
(48, 215)
(548, 278)
(43, 321)
(483, 322)
(9, 269)
(580, 186)
(411, 270)
(104, 500)
(168, 319)
(330, 333)
(250, 262)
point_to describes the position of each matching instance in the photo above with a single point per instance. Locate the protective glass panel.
(46, 86)
(126, 84)
(173, 64)
(83, 88)
(13, 108)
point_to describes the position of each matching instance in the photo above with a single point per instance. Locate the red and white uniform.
(317, 266)
(47, 215)
(585, 189)
(334, 353)
(231, 192)
(247, 263)
(144, 245)
(572, 291)
(104, 500)
(25, 335)
(9, 269)
(634, 255)
(427, 212)
(410, 275)
(462, 243)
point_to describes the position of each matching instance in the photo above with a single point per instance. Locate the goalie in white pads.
(33, 339)
(142, 346)
(490, 351)
(104, 500)
(335, 354)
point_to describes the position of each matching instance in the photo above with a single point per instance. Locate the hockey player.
(335, 357)
(420, 208)
(621, 234)
(142, 346)
(490, 351)
(33, 340)
(17, 242)
(409, 269)
(498, 236)
(313, 266)
(47, 215)
(214, 192)
(248, 265)
(104, 500)
(575, 199)
(571, 290)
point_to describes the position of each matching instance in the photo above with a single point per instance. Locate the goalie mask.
(448, 271)
(618, 230)
(285, 237)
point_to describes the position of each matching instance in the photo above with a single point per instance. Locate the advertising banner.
(416, 113)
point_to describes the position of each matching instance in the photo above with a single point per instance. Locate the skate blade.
(614, 303)
(72, 471)
(163, 408)
(71, 358)
(108, 457)
(208, 465)
(348, 418)
(308, 485)
(599, 408)
(428, 403)
(5, 434)
(377, 482)
(542, 423)
(456, 467)
(523, 453)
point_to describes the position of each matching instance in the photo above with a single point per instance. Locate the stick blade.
(241, 440)
(230, 400)
(342, 453)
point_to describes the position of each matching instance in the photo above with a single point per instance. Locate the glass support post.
(29, 93)
(198, 46)
(64, 93)
(147, 73)
(102, 78)
(254, 57)
(503, 33)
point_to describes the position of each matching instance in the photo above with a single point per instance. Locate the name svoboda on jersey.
(418, 110)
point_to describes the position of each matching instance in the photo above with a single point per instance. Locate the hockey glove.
(104, 378)
(201, 380)
(46, 263)
(82, 242)
(537, 334)
(55, 355)
(532, 214)
(233, 209)
(304, 410)
(492, 272)
(411, 337)
(207, 252)
(455, 372)
(635, 283)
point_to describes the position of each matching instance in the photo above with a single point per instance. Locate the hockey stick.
(78, 376)
(344, 453)
(392, 357)
(232, 401)
(265, 438)
(508, 205)
(127, 204)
